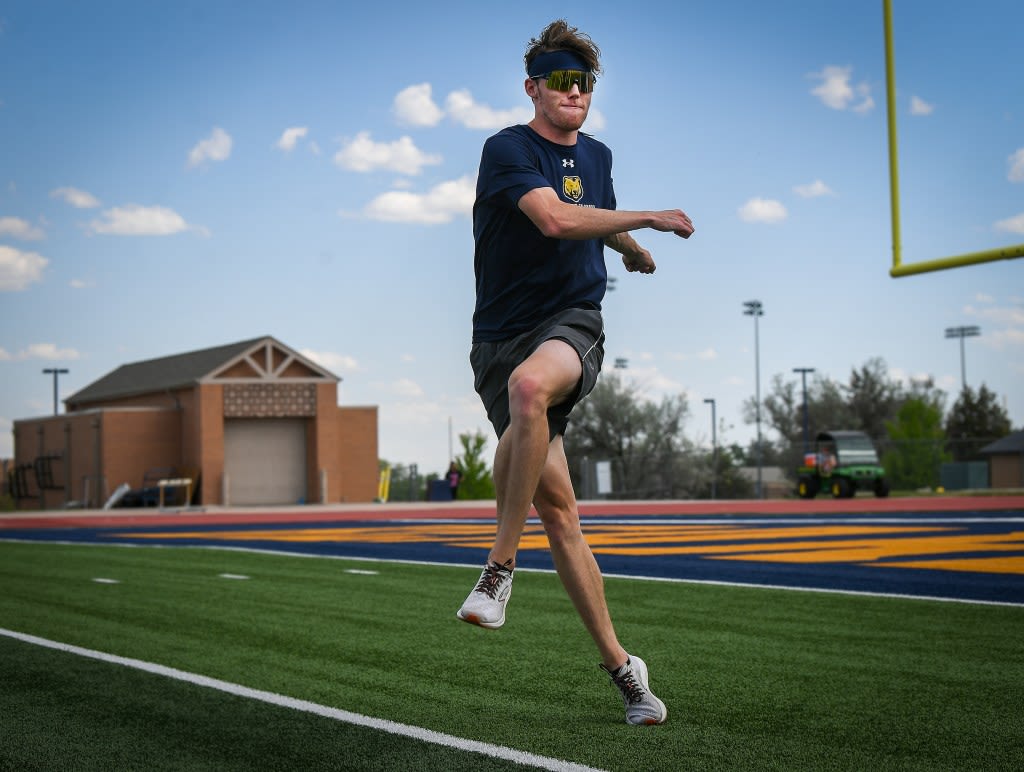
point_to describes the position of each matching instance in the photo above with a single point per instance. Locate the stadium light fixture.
(970, 331)
(803, 377)
(56, 372)
(714, 449)
(755, 309)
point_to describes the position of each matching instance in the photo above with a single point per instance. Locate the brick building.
(250, 423)
(1006, 461)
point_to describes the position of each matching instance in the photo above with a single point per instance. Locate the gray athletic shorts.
(493, 363)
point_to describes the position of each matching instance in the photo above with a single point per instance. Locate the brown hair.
(559, 36)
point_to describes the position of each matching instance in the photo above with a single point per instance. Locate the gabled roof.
(255, 359)
(1011, 443)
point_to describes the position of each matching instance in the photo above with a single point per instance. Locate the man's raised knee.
(527, 395)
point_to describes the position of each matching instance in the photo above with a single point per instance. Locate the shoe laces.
(491, 579)
(629, 685)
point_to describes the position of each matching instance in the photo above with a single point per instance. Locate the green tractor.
(843, 463)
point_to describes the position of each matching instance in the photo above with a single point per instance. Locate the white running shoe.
(485, 606)
(642, 707)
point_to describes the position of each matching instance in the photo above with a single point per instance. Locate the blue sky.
(181, 175)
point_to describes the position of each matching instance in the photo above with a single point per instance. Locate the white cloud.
(1005, 315)
(1016, 161)
(81, 283)
(290, 137)
(441, 204)
(47, 351)
(919, 107)
(362, 154)
(216, 147)
(814, 190)
(336, 363)
(1000, 339)
(836, 92)
(414, 106)
(651, 383)
(1013, 224)
(763, 210)
(135, 220)
(707, 354)
(405, 387)
(79, 199)
(465, 110)
(19, 269)
(1004, 325)
(20, 229)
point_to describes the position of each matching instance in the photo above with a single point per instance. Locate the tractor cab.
(842, 462)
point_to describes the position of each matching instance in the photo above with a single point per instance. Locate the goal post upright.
(956, 261)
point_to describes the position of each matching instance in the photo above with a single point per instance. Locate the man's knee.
(528, 394)
(560, 520)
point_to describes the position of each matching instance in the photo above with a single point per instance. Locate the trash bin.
(440, 490)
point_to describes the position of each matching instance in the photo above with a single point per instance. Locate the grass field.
(754, 678)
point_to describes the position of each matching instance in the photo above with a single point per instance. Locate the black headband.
(556, 60)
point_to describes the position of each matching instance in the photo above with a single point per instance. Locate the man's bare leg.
(545, 378)
(574, 561)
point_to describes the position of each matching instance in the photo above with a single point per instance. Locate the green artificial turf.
(753, 678)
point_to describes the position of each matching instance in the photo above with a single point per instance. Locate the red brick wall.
(99, 450)
(209, 428)
(137, 441)
(357, 454)
(322, 451)
(1006, 471)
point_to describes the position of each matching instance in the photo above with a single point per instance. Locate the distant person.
(544, 211)
(454, 477)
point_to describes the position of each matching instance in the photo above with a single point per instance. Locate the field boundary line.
(475, 566)
(283, 701)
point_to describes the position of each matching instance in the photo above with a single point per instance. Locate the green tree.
(477, 480)
(867, 402)
(873, 398)
(916, 453)
(643, 441)
(729, 482)
(407, 484)
(975, 420)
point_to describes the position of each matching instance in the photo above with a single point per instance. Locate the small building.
(248, 423)
(1006, 461)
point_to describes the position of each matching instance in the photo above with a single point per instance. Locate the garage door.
(265, 460)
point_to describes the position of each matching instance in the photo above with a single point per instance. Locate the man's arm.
(634, 257)
(557, 219)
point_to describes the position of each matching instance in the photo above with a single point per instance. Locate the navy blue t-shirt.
(523, 277)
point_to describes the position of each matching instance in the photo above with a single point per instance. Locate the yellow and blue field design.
(973, 554)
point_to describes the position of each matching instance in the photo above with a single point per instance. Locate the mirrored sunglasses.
(563, 80)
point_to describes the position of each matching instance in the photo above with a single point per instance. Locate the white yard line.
(280, 700)
(476, 566)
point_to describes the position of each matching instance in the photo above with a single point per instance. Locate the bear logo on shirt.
(572, 187)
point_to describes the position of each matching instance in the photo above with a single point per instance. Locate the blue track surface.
(972, 556)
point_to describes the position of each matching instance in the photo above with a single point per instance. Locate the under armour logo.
(568, 162)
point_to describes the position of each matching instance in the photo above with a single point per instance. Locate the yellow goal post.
(941, 264)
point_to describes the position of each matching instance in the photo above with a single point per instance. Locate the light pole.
(755, 309)
(961, 333)
(803, 377)
(714, 450)
(56, 371)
